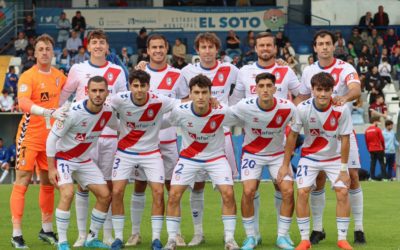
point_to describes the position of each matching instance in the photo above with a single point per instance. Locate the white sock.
(284, 225)
(47, 227)
(156, 226)
(96, 222)
(108, 226)
(229, 226)
(62, 222)
(277, 203)
(342, 226)
(173, 223)
(357, 207)
(304, 227)
(82, 207)
(249, 226)
(256, 213)
(197, 205)
(118, 225)
(3, 176)
(317, 201)
(138, 200)
(17, 232)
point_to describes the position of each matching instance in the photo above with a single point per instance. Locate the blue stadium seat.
(129, 49)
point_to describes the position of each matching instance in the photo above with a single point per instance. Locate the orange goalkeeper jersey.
(43, 89)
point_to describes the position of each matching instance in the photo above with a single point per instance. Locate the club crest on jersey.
(102, 122)
(59, 124)
(278, 119)
(110, 76)
(169, 81)
(277, 76)
(42, 85)
(333, 121)
(23, 88)
(213, 125)
(221, 77)
(335, 76)
(150, 113)
(80, 137)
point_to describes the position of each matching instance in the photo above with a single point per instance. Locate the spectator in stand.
(391, 145)
(246, 40)
(249, 53)
(143, 56)
(395, 50)
(28, 60)
(390, 38)
(3, 160)
(365, 52)
(290, 49)
(30, 26)
(6, 101)
(293, 64)
(397, 67)
(63, 27)
(376, 147)
(381, 18)
(12, 153)
(339, 36)
(178, 50)
(125, 57)
(357, 113)
(79, 23)
(73, 43)
(11, 81)
(310, 59)
(179, 63)
(20, 44)
(362, 70)
(280, 40)
(385, 70)
(366, 22)
(16, 106)
(372, 39)
(81, 56)
(341, 51)
(352, 60)
(236, 61)
(377, 53)
(224, 57)
(352, 51)
(378, 108)
(141, 41)
(356, 40)
(64, 60)
(232, 44)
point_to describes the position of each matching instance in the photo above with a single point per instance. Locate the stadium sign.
(187, 19)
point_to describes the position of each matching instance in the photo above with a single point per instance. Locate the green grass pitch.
(381, 219)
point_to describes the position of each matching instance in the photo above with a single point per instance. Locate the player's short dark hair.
(375, 118)
(97, 79)
(44, 38)
(264, 76)
(97, 33)
(11, 68)
(323, 80)
(209, 37)
(201, 81)
(388, 123)
(140, 75)
(264, 34)
(323, 33)
(155, 37)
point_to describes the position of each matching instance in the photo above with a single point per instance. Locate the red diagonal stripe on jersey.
(221, 76)
(151, 112)
(213, 124)
(279, 74)
(169, 80)
(279, 118)
(194, 149)
(102, 122)
(111, 75)
(130, 139)
(74, 152)
(335, 73)
(257, 145)
(332, 122)
(318, 144)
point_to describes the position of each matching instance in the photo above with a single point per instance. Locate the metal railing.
(304, 17)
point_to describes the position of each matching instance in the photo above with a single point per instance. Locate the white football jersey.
(322, 129)
(80, 74)
(140, 125)
(168, 82)
(264, 129)
(342, 72)
(286, 80)
(203, 137)
(223, 75)
(80, 131)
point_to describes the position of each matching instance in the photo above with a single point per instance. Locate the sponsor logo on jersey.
(128, 113)
(256, 131)
(80, 137)
(44, 96)
(253, 89)
(190, 125)
(314, 132)
(193, 136)
(130, 125)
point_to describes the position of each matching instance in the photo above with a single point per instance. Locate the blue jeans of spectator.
(377, 156)
(390, 160)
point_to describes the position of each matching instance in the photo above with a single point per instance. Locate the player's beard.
(266, 58)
